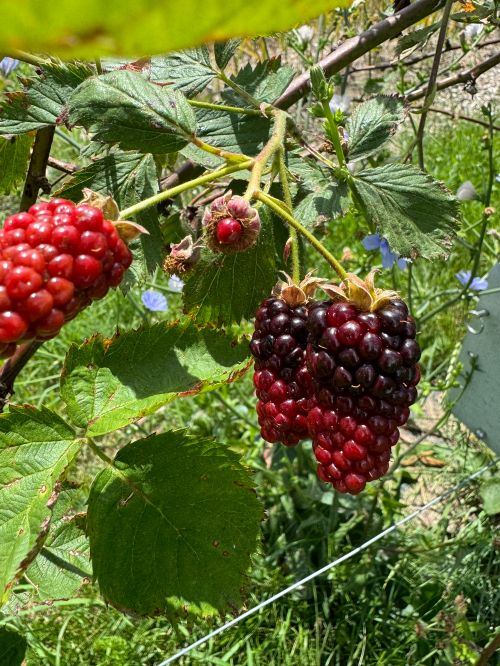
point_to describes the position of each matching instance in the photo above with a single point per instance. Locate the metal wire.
(327, 567)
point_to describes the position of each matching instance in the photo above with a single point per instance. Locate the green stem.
(189, 185)
(220, 152)
(223, 107)
(294, 239)
(334, 133)
(272, 146)
(30, 58)
(241, 92)
(275, 206)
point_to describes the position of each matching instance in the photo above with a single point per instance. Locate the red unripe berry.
(61, 266)
(32, 258)
(229, 231)
(37, 305)
(5, 302)
(40, 208)
(39, 232)
(56, 202)
(86, 270)
(22, 281)
(62, 290)
(88, 218)
(93, 243)
(12, 326)
(116, 275)
(18, 221)
(50, 325)
(66, 238)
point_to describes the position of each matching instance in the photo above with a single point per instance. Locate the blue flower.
(498, 178)
(477, 284)
(154, 301)
(389, 258)
(176, 284)
(7, 65)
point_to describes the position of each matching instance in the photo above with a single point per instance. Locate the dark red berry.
(229, 231)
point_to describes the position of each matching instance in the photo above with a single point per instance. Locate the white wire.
(327, 567)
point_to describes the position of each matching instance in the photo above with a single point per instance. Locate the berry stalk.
(277, 207)
(294, 239)
(183, 187)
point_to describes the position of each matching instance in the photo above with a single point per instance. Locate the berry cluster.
(54, 260)
(349, 372)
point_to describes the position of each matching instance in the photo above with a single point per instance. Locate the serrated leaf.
(36, 447)
(234, 133)
(129, 177)
(174, 525)
(265, 81)
(490, 494)
(415, 213)
(82, 28)
(14, 156)
(188, 71)
(223, 289)
(44, 99)
(109, 384)
(12, 648)
(63, 565)
(372, 124)
(224, 51)
(123, 108)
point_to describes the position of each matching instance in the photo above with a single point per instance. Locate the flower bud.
(183, 257)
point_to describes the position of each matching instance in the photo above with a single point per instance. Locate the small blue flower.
(7, 65)
(498, 178)
(154, 301)
(477, 284)
(176, 284)
(389, 258)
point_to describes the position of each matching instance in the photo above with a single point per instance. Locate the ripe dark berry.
(364, 368)
(53, 261)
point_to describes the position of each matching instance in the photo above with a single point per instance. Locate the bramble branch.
(355, 47)
(35, 178)
(13, 366)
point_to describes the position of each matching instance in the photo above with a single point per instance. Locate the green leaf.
(327, 198)
(123, 108)
(264, 81)
(84, 28)
(224, 51)
(234, 133)
(490, 494)
(188, 71)
(107, 384)
(372, 124)
(223, 289)
(44, 99)
(14, 156)
(36, 447)
(12, 648)
(63, 565)
(129, 177)
(411, 41)
(174, 525)
(415, 213)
